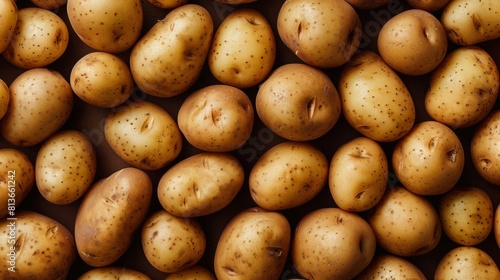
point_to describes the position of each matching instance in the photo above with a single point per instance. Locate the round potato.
(484, 149)
(428, 5)
(40, 38)
(387, 266)
(113, 273)
(466, 262)
(8, 14)
(196, 271)
(216, 118)
(253, 245)
(201, 184)
(4, 98)
(298, 102)
(102, 79)
(49, 4)
(288, 175)
(143, 134)
(358, 174)
(65, 167)
(27, 123)
(167, 4)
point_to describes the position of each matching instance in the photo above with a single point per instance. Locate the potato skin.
(196, 272)
(496, 226)
(112, 273)
(367, 4)
(8, 14)
(111, 211)
(428, 5)
(466, 262)
(387, 266)
(4, 98)
(484, 148)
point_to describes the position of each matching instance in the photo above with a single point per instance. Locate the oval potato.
(466, 262)
(387, 266)
(112, 273)
(484, 148)
(8, 14)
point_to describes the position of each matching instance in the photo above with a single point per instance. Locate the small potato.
(8, 15)
(35, 246)
(112, 210)
(40, 38)
(26, 122)
(387, 266)
(288, 175)
(4, 98)
(253, 245)
(367, 4)
(102, 79)
(485, 151)
(466, 215)
(298, 102)
(17, 177)
(172, 243)
(196, 272)
(428, 5)
(113, 273)
(201, 184)
(243, 49)
(463, 88)
(65, 167)
(358, 174)
(216, 118)
(466, 262)
(143, 134)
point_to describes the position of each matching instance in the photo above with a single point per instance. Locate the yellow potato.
(484, 148)
(466, 262)
(28, 123)
(428, 5)
(4, 98)
(496, 227)
(387, 266)
(111, 212)
(49, 4)
(367, 4)
(8, 15)
(169, 58)
(113, 273)
(196, 271)
(167, 4)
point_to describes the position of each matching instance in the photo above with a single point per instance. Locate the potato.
(65, 167)
(387, 266)
(243, 49)
(358, 174)
(216, 118)
(27, 123)
(235, 2)
(466, 262)
(114, 272)
(367, 4)
(298, 102)
(469, 23)
(405, 224)
(463, 88)
(201, 184)
(496, 226)
(40, 38)
(428, 5)
(196, 272)
(430, 159)
(106, 26)
(17, 177)
(466, 215)
(102, 79)
(143, 134)
(4, 98)
(111, 212)
(8, 15)
(331, 243)
(172, 243)
(374, 99)
(167, 4)
(169, 58)
(49, 4)
(302, 25)
(35, 246)
(484, 148)
(254, 244)
(288, 175)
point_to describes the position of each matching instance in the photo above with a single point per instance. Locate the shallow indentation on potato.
(433, 143)
(251, 20)
(485, 164)
(311, 108)
(230, 270)
(148, 123)
(51, 231)
(19, 244)
(216, 119)
(299, 30)
(110, 202)
(275, 251)
(452, 155)
(478, 25)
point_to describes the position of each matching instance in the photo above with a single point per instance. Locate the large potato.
(111, 212)
(484, 148)
(113, 273)
(169, 58)
(41, 101)
(463, 88)
(8, 14)
(253, 245)
(387, 266)
(4, 98)
(375, 101)
(466, 262)
(298, 102)
(35, 246)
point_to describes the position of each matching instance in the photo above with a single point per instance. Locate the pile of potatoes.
(234, 139)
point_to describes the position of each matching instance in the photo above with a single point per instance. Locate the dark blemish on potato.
(251, 21)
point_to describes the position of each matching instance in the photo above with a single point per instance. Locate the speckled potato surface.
(195, 272)
(485, 151)
(167, 4)
(467, 262)
(496, 226)
(387, 266)
(428, 5)
(8, 16)
(4, 98)
(113, 273)
(49, 4)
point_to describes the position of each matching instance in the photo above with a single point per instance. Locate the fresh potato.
(496, 227)
(196, 272)
(467, 262)
(65, 167)
(167, 4)
(112, 210)
(463, 88)
(253, 245)
(430, 159)
(216, 118)
(40, 38)
(405, 224)
(298, 102)
(288, 175)
(143, 134)
(466, 215)
(374, 99)
(428, 5)
(302, 25)
(112, 273)
(367, 4)
(201, 184)
(331, 243)
(4, 98)
(169, 58)
(243, 49)
(102, 79)
(235, 2)
(27, 122)
(35, 246)
(49, 4)
(17, 177)
(172, 243)
(471, 22)
(484, 149)
(358, 174)
(106, 26)
(387, 266)
(8, 15)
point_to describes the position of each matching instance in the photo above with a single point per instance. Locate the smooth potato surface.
(112, 273)
(8, 15)
(4, 98)
(196, 271)
(387, 266)
(466, 262)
